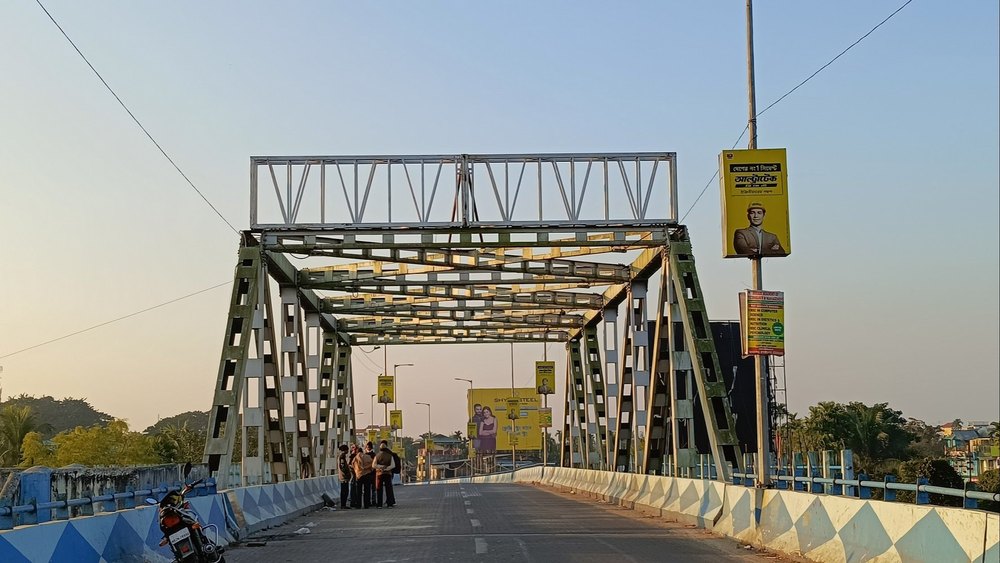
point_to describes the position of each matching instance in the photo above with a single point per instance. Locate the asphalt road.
(490, 522)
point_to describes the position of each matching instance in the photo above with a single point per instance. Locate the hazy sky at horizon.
(891, 293)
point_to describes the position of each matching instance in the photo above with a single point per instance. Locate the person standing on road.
(344, 474)
(370, 452)
(383, 465)
(362, 467)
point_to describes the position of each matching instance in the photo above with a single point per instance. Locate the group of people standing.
(366, 475)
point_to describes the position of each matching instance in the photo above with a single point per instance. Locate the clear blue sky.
(893, 157)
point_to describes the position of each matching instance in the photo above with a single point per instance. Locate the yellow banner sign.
(545, 417)
(754, 203)
(386, 389)
(372, 434)
(384, 433)
(488, 410)
(762, 322)
(513, 408)
(395, 419)
(545, 377)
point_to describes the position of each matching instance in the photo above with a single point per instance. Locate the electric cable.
(105, 323)
(135, 119)
(786, 94)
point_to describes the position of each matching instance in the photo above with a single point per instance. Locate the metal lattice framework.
(448, 249)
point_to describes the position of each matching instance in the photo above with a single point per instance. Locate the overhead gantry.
(451, 249)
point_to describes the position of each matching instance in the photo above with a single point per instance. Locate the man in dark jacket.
(370, 452)
(383, 465)
(344, 474)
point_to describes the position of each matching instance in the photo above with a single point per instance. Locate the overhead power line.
(105, 323)
(135, 119)
(786, 94)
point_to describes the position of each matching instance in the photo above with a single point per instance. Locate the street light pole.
(373, 411)
(427, 450)
(472, 463)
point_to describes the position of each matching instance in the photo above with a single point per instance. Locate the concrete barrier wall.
(817, 527)
(134, 535)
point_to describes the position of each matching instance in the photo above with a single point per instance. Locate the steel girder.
(465, 271)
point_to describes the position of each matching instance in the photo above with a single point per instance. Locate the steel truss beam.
(461, 249)
(463, 188)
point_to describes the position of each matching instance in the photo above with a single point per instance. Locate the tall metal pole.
(763, 477)
(472, 462)
(545, 403)
(513, 421)
(427, 450)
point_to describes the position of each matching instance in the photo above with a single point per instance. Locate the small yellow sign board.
(396, 419)
(545, 417)
(372, 434)
(754, 186)
(513, 408)
(384, 433)
(545, 377)
(386, 389)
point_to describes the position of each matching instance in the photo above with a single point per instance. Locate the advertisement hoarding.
(762, 316)
(488, 411)
(754, 185)
(395, 419)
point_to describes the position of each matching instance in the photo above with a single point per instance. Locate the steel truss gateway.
(585, 249)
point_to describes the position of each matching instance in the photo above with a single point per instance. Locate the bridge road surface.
(488, 522)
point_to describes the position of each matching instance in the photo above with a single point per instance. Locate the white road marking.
(480, 546)
(468, 511)
(475, 523)
(468, 503)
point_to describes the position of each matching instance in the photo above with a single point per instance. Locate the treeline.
(883, 442)
(60, 432)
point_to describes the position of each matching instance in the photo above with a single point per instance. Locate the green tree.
(928, 443)
(874, 433)
(60, 414)
(36, 451)
(193, 420)
(989, 481)
(939, 472)
(107, 445)
(179, 444)
(16, 422)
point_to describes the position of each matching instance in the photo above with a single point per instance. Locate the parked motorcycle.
(182, 531)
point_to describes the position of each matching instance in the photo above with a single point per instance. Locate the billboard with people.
(488, 412)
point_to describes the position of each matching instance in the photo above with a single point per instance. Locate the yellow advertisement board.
(488, 411)
(384, 433)
(545, 377)
(386, 389)
(395, 419)
(762, 323)
(754, 198)
(372, 434)
(545, 417)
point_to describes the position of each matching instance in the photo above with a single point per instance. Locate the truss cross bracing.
(451, 249)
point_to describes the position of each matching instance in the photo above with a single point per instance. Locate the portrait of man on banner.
(386, 389)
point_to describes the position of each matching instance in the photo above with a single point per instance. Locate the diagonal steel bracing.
(451, 249)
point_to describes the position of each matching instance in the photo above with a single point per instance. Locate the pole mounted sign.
(395, 419)
(762, 317)
(545, 377)
(754, 186)
(386, 389)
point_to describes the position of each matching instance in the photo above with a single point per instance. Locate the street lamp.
(394, 368)
(373, 410)
(427, 450)
(472, 463)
